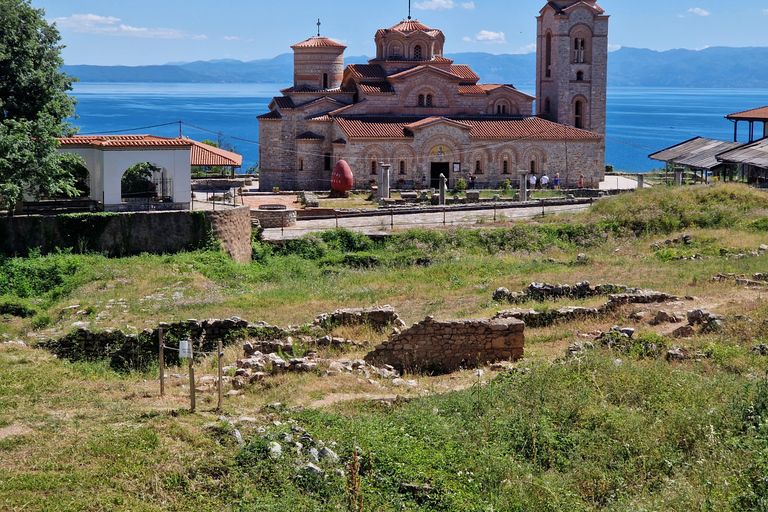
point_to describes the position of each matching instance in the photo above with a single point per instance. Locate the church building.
(414, 109)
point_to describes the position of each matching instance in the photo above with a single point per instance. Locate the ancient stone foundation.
(448, 345)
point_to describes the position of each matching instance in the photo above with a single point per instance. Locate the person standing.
(581, 181)
(556, 181)
(532, 181)
(544, 181)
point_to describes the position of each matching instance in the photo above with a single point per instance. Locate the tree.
(137, 180)
(34, 106)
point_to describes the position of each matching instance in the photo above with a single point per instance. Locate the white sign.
(185, 349)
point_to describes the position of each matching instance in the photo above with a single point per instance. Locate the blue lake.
(640, 120)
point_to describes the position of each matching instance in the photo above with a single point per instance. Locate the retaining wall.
(119, 234)
(446, 346)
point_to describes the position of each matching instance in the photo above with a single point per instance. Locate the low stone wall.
(379, 317)
(446, 346)
(269, 218)
(119, 234)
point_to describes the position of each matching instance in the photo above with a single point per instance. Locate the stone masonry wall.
(448, 345)
(128, 233)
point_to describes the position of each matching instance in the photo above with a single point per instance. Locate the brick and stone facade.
(416, 110)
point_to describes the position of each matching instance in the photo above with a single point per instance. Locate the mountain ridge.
(721, 66)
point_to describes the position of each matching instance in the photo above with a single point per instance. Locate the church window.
(421, 100)
(402, 167)
(373, 167)
(505, 167)
(429, 100)
(478, 167)
(578, 50)
(533, 166)
(327, 161)
(301, 164)
(325, 80)
(579, 76)
(417, 52)
(547, 105)
(501, 109)
(548, 58)
(578, 114)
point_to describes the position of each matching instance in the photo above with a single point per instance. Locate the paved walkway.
(388, 224)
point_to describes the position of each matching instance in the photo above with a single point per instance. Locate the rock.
(501, 294)
(685, 331)
(275, 450)
(639, 315)
(412, 383)
(314, 454)
(238, 437)
(677, 354)
(328, 454)
(311, 468)
(697, 316)
(581, 257)
(761, 350)
(663, 317)
(398, 382)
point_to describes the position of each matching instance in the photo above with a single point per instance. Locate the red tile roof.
(756, 114)
(309, 136)
(376, 87)
(205, 155)
(283, 102)
(367, 71)
(422, 67)
(318, 42)
(472, 89)
(308, 89)
(434, 119)
(270, 115)
(482, 127)
(464, 72)
(124, 141)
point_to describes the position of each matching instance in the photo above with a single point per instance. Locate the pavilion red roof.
(755, 114)
(205, 155)
(124, 141)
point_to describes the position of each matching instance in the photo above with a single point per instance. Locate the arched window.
(533, 166)
(301, 164)
(325, 80)
(421, 100)
(548, 58)
(373, 167)
(505, 167)
(417, 52)
(402, 166)
(579, 76)
(501, 109)
(547, 105)
(478, 167)
(578, 114)
(578, 50)
(429, 100)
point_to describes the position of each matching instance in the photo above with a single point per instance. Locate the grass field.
(609, 430)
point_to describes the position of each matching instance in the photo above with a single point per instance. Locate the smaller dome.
(407, 26)
(341, 177)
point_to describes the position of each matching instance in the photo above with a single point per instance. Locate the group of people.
(544, 182)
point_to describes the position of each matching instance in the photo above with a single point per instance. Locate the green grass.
(586, 434)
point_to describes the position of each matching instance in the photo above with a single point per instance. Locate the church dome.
(407, 26)
(318, 42)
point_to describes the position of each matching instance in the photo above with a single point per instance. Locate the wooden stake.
(162, 362)
(221, 357)
(192, 379)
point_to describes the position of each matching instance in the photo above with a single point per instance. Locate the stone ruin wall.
(448, 345)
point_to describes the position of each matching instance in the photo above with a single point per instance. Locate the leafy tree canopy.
(34, 106)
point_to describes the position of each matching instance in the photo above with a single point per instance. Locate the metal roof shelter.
(698, 153)
(754, 154)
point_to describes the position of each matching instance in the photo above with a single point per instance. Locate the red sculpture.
(341, 178)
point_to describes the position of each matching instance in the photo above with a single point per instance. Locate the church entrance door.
(436, 170)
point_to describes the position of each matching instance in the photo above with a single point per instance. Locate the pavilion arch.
(395, 48)
(581, 44)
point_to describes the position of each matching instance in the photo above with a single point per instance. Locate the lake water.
(640, 120)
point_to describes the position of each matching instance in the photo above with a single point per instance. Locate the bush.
(460, 185)
(16, 307)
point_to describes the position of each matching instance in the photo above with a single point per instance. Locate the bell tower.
(572, 64)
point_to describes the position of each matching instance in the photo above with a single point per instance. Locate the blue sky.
(159, 31)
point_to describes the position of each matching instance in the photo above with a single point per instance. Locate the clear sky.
(140, 32)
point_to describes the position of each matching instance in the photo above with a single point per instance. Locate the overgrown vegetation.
(608, 430)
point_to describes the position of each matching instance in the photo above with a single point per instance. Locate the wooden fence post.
(162, 361)
(221, 356)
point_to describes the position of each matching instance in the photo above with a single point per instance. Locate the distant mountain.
(711, 67)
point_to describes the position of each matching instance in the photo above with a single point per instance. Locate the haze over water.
(640, 120)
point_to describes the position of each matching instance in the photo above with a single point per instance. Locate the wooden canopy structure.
(204, 155)
(753, 158)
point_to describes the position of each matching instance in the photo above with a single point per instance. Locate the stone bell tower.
(572, 64)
